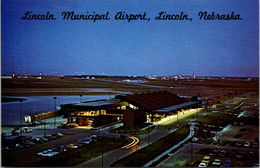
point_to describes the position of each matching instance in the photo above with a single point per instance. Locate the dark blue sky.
(210, 48)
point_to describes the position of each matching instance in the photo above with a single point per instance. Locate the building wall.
(83, 121)
(134, 118)
(103, 120)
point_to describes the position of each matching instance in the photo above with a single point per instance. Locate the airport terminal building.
(134, 109)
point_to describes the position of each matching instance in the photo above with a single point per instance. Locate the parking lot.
(19, 156)
(239, 154)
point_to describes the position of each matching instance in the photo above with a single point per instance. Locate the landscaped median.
(144, 155)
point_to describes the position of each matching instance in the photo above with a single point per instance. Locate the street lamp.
(148, 136)
(80, 98)
(54, 109)
(191, 152)
(45, 127)
(177, 120)
(102, 150)
(21, 114)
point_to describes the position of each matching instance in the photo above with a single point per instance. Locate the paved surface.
(29, 155)
(183, 156)
(172, 148)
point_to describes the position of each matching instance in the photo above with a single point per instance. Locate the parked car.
(239, 143)
(214, 152)
(84, 141)
(44, 139)
(203, 165)
(209, 141)
(19, 146)
(62, 149)
(60, 134)
(247, 144)
(72, 146)
(43, 153)
(232, 152)
(227, 163)
(37, 140)
(255, 144)
(28, 142)
(48, 153)
(56, 136)
(95, 137)
(222, 142)
(241, 153)
(206, 159)
(50, 137)
(79, 144)
(222, 153)
(88, 139)
(215, 141)
(194, 139)
(216, 163)
(201, 140)
(250, 154)
(239, 164)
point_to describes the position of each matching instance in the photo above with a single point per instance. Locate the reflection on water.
(50, 90)
(11, 111)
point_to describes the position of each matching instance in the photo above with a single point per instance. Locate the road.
(172, 148)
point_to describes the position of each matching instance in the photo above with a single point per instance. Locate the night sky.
(114, 47)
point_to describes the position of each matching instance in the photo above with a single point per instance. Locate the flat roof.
(172, 108)
(97, 103)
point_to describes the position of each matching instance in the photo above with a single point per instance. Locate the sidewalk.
(172, 148)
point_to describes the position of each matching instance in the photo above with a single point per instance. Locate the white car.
(48, 153)
(83, 141)
(203, 165)
(216, 162)
(194, 139)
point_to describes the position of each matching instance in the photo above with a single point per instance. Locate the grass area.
(132, 131)
(144, 155)
(219, 119)
(149, 130)
(237, 102)
(75, 157)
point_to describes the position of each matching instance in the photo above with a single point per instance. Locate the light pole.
(177, 120)
(54, 109)
(102, 150)
(197, 113)
(191, 154)
(80, 98)
(45, 127)
(21, 113)
(148, 136)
